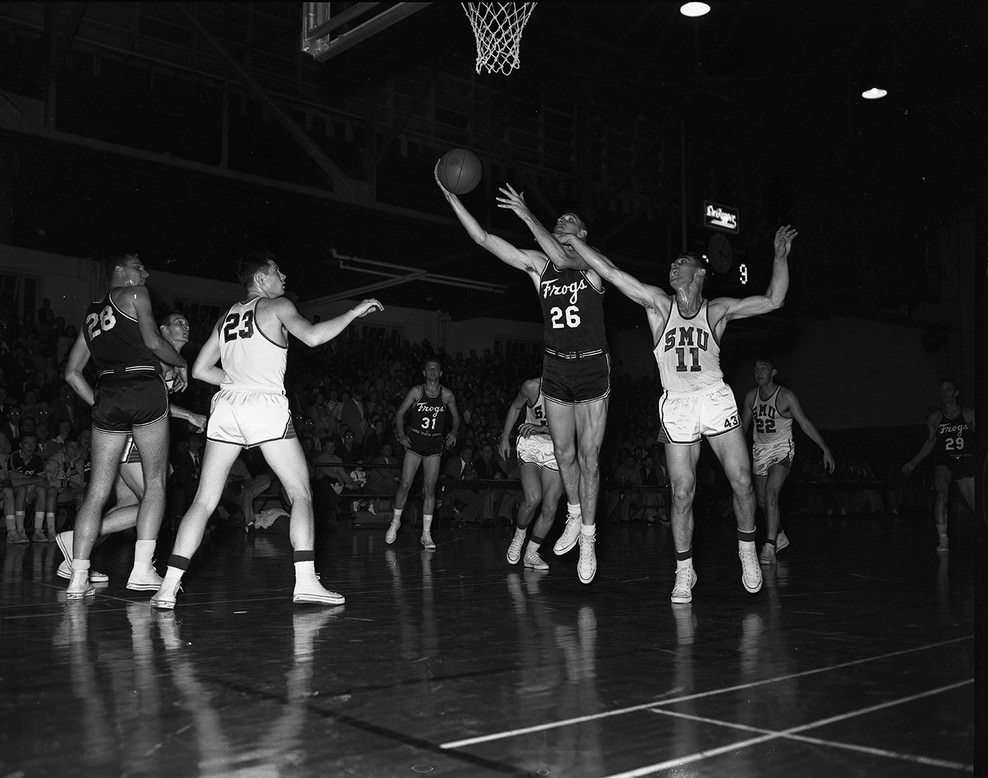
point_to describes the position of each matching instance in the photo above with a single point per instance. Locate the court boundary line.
(792, 734)
(724, 690)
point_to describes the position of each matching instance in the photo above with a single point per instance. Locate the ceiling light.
(875, 93)
(694, 9)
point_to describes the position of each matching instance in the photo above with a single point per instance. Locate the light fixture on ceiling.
(874, 93)
(694, 9)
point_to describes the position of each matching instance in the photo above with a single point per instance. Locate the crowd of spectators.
(344, 395)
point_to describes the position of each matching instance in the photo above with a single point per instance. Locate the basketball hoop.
(498, 28)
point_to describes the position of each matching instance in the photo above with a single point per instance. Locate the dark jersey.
(427, 420)
(955, 439)
(573, 311)
(32, 466)
(114, 339)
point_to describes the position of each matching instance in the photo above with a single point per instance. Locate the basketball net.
(498, 28)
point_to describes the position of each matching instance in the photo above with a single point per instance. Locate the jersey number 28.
(97, 323)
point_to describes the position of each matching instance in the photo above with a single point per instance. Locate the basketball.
(459, 171)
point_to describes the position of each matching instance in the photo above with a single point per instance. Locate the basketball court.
(856, 658)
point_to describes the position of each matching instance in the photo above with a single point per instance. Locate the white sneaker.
(427, 543)
(751, 573)
(515, 547)
(316, 595)
(64, 541)
(586, 568)
(767, 557)
(79, 587)
(571, 534)
(146, 581)
(944, 546)
(534, 562)
(682, 591)
(781, 542)
(392, 533)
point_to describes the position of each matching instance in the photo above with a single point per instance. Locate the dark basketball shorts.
(959, 467)
(133, 399)
(426, 446)
(577, 380)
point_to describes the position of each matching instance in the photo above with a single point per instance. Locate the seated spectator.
(351, 452)
(328, 481)
(184, 480)
(465, 503)
(66, 472)
(27, 477)
(56, 444)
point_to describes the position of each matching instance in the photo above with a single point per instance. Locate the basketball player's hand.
(368, 306)
(451, 440)
(908, 468)
(525, 429)
(783, 241)
(504, 448)
(513, 201)
(197, 420)
(435, 174)
(181, 379)
(828, 462)
(405, 441)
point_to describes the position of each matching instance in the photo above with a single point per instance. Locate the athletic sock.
(746, 536)
(177, 565)
(397, 515)
(574, 510)
(426, 523)
(144, 554)
(684, 559)
(588, 529)
(534, 544)
(305, 566)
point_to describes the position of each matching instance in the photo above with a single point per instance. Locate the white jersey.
(535, 414)
(250, 359)
(769, 424)
(688, 353)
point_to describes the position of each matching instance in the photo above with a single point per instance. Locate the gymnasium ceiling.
(193, 132)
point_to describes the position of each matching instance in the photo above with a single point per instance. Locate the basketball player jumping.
(951, 438)
(130, 400)
(576, 366)
(424, 438)
(540, 481)
(687, 330)
(250, 342)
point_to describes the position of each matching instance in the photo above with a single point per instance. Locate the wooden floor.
(856, 658)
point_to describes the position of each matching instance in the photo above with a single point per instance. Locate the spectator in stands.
(27, 477)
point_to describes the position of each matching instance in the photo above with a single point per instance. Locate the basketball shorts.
(537, 450)
(122, 402)
(779, 453)
(686, 417)
(960, 467)
(249, 418)
(426, 446)
(577, 380)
